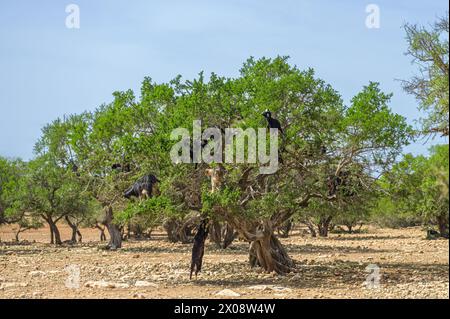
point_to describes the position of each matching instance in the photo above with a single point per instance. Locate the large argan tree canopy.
(322, 137)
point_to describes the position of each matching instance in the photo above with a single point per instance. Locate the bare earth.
(334, 267)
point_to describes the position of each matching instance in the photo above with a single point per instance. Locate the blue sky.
(48, 70)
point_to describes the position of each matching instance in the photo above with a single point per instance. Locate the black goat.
(198, 249)
(119, 167)
(271, 122)
(74, 168)
(432, 234)
(342, 180)
(274, 123)
(191, 151)
(142, 187)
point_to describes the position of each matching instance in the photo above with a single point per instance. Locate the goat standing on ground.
(198, 249)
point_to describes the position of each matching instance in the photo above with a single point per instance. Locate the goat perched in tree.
(198, 249)
(126, 168)
(274, 123)
(271, 122)
(143, 187)
(191, 151)
(216, 175)
(342, 181)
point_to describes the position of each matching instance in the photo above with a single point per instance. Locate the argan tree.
(429, 49)
(49, 192)
(322, 137)
(414, 187)
(11, 172)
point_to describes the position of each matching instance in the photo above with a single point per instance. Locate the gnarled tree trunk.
(443, 225)
(229, 235)
(268, 253)
(20, 230)
(55, 236)
(181, 230)
(324, 226)
(102, 232)
(222, 234)
(215, 233)
(75, 231)
(283, 230)
(115, 235)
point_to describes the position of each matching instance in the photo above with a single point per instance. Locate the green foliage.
(417, 189)
(49, 191)
(429, 49)
(361, 138)
(147, 214)
(11, 172)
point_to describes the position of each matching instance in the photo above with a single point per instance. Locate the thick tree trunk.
(222, 234)
(55, 236)
(115, 235)
(129, 230)
(52, 235)
(138, 232)
(181, 230)
(442, 221)
(283, 230)
(349, 228)
(229, 235)
(323, 226)
(270, 254)
(311, 227)
(102, 232)
(215, 233)
(75, 231)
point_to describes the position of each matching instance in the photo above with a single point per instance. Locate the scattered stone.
(270, 287)
(281, 289)
(105, 284)
(259, 287)
(143, 283)
(6, 285)
(227, 293)
(37, 273)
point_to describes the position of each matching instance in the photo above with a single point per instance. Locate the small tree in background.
(48, 192)
(414, 190)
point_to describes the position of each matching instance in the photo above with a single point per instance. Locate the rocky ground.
(407, 266)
